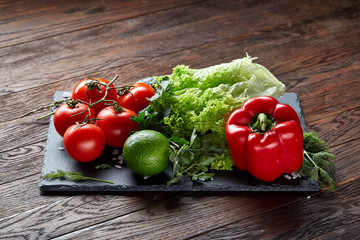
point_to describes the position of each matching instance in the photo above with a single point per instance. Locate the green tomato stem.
(45, 116)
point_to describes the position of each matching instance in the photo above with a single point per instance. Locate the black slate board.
(55, 157)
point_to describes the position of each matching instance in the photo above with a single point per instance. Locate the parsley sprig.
(72, 176)
(317, 164)
(192, 158)
(153, 116)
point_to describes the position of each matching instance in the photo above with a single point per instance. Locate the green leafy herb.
(192, 158)
(178, 141)
(144, 118)
(317, 164)
(73, 176)
(153, 116)
(102, 166)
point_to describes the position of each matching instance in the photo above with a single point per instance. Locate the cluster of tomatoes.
(97, 115)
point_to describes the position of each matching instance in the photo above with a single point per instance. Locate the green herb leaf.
(172, 181)
(162, 88)
(317, 164)
(102, 166)
(193, 137)
(192, 158)
(144, 118)
(153, 116)
(178, 141)
(72, 176)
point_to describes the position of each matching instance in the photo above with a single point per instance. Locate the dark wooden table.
(45, 46)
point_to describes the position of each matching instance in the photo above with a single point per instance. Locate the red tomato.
(84, 143)
(83, 89)
(67, 115)
(116, 125)
(137, 98)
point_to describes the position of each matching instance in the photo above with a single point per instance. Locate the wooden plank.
(291, 70)
(347, 161)
(69, 214)
(135, 216)
(193, 26)
(7, 1)
(18, 103)
(327, 92)
(329, 215)
(335, 130)
(25, 21)
(222, 210)
(22, 132)
(22, 194)
(21, 162)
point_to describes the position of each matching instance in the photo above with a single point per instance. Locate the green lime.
(146, 152)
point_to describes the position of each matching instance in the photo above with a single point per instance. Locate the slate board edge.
(119, 189)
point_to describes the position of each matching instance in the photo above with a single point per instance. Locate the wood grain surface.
(47, 46)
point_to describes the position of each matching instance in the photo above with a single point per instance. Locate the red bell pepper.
(265, 138)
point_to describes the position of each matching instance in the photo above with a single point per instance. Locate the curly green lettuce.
(203, 99)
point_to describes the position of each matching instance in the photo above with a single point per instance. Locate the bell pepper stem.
(261, 122)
